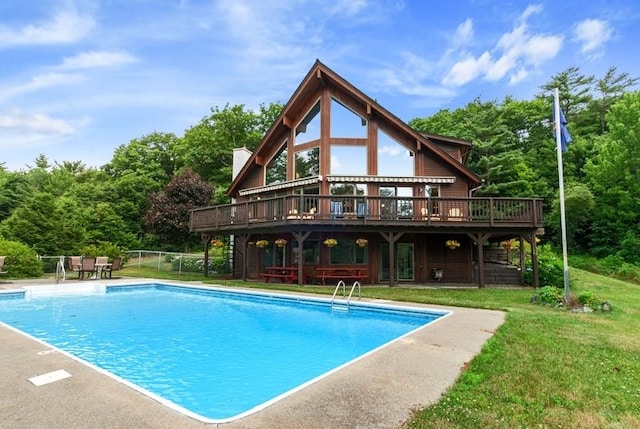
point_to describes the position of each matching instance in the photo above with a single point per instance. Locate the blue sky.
(80, 78)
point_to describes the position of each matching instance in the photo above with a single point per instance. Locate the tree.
(611, 87)
(208, 146)
(168, 215)
(613, 175)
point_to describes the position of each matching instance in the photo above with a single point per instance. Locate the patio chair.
(336, 209)
(115, 265)
(88, 266)
(2, 258)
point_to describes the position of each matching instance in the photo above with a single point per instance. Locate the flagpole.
(557, 128)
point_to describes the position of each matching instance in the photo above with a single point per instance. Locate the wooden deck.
(309, 212)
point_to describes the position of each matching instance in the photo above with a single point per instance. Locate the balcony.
(373, 213)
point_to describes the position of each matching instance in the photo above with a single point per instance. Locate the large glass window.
(309, 129)
(350, 160)
(347, 252)
(396, 202)
(393, 158)
(276, 170)
(345, 122)
(307, 163)
(348, 199)
(310, 252)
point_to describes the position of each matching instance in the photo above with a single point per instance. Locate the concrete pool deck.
(378, 391)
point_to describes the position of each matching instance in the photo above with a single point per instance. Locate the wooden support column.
(206, 239)
(241, 247)
(300, 236)
(534, 261)
(523, 261)
(392, 238)
(480, 238)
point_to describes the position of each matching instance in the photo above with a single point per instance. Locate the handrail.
(352, 289)
(344, 292)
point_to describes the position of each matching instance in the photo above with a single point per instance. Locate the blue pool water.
(214, 353)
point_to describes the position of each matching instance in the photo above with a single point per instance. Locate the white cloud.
(467, 70)
(464, 33)
(592, 34)
(64, 27)
(98, 59)
(39, 82)
(391, 150)
(20, 122)
(514, 56)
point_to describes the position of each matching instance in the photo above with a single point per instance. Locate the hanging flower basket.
(281, 242)
(330, 242)
(362, 242)
(262, 243)
(452, 244)
(217, 243)
(506, 244)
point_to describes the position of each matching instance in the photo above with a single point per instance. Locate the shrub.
(21, 262)
(548, 295)
(589, 299)
(192, 264)
(550, 268)
(104, 248)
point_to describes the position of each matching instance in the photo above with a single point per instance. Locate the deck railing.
(370, 209)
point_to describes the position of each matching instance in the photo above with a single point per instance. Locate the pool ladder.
(343, 304)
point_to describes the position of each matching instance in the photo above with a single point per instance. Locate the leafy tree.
(34, 223)
(613, 174)
(152, 155)
(611, 87)
(168, 216)
(208, 146)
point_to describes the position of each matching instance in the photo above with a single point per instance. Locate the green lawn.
(543, 368)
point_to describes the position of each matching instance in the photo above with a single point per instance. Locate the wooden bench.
(285, 274)
(341, 273)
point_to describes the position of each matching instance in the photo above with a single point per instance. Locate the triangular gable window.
(309, 128)
(393, 158)
(345, 122)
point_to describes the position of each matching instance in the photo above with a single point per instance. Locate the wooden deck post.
(300, 236)
(206, 238)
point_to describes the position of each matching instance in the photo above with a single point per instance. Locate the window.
(307, 163)
(276, 170)
(347, 252)
(350, 198)
(310, 252)
(393, 158)
(397, 202)
(350, 160)
(345, 122)
(309, 128)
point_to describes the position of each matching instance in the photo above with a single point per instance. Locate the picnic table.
(341, 273)
(285, 274)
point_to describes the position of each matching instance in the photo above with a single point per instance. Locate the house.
(340, 188)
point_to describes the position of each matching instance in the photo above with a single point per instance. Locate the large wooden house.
(341, 189)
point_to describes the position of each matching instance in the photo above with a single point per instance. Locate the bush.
(104, 248)
(550, 268)
(589, 299)
(21, 262)
(548, 295)
(187, 265)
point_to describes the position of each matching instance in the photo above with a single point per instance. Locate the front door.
(404, 262)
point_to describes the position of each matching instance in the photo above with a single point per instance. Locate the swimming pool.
(211, 353)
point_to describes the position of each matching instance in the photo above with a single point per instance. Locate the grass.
(544, 367)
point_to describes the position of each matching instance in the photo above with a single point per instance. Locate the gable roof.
(319, 76)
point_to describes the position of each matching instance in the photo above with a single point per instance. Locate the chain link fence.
(219, 263)
(177, 262)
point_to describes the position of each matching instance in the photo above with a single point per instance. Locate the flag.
(565, 137)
